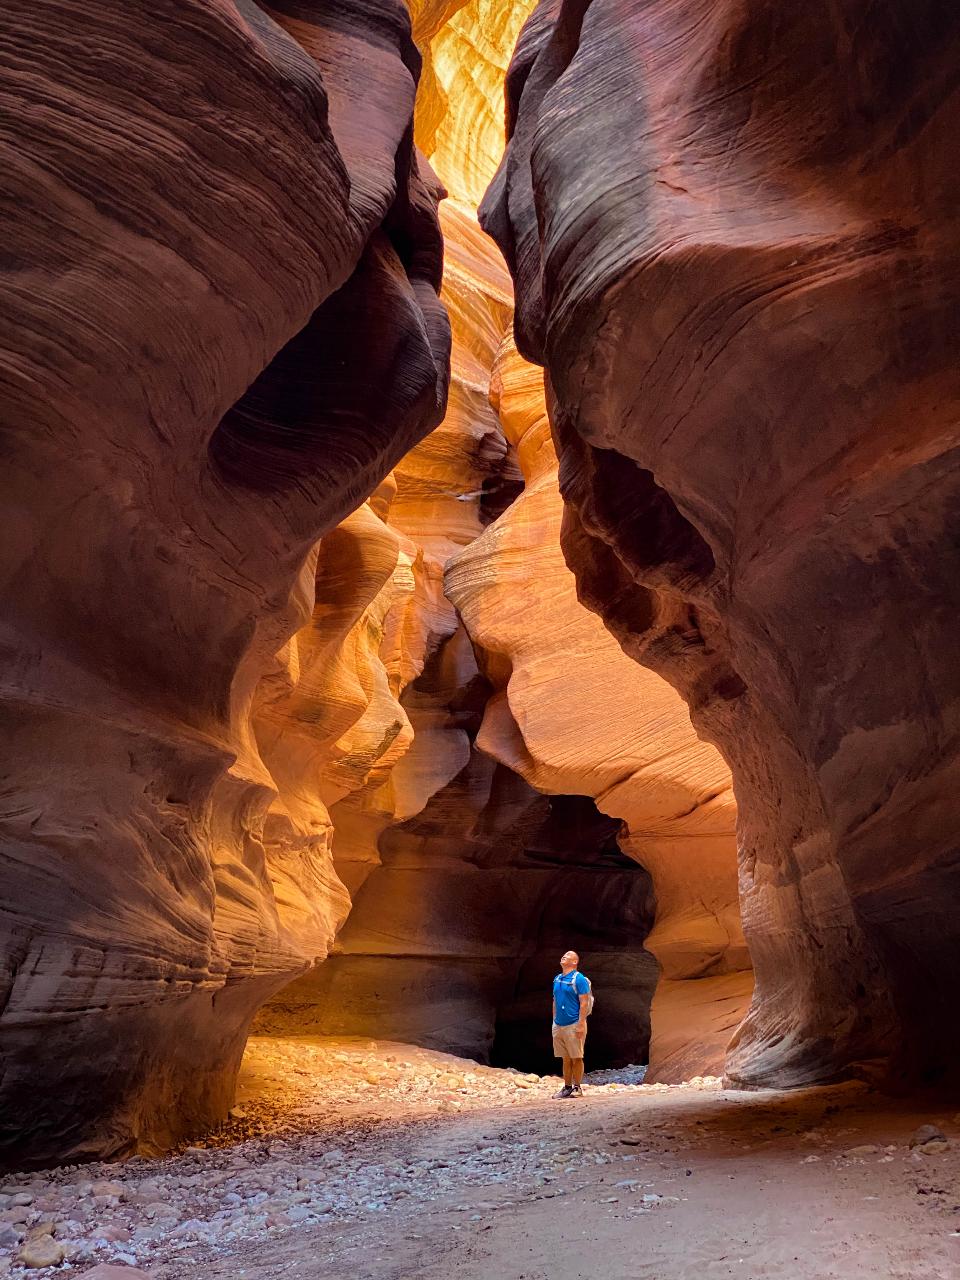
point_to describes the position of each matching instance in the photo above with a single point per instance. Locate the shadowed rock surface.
(464, 889)
(747, 310)
(220, 330)
(453, 941)
(248, 727)
(572, 713)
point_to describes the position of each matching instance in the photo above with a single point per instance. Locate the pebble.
(929, 1139)
(300, 1153)
(115, 1190)
(41, 1251)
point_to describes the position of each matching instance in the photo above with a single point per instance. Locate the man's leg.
(568, 1069)
(577, 1065)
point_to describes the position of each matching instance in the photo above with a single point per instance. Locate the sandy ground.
(398, 1164)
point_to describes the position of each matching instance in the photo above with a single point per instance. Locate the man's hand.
(581, 1028)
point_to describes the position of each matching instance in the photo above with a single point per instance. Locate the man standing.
(571, 1006)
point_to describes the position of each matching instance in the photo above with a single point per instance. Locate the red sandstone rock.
(734, 235)
(220, 330)
(462, 877)
(573, 714)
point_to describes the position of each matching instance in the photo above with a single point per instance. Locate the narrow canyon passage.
(480, 480)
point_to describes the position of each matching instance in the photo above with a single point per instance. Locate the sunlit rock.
(573, 714)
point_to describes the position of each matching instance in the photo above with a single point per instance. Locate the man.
(571, 1007)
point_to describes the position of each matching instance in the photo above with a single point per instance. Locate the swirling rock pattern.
(466, 882)
(460, 108)
(220, 330)
(747, 309)
(461, 873)
(572, 714)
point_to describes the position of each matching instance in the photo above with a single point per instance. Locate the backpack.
(590, 1000)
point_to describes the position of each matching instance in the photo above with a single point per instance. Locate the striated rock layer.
(569, 712)
(466, 883)
(462, 875)
(572, 714)
(747, 309)
(220, 330)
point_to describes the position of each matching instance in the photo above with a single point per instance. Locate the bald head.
(569, 961)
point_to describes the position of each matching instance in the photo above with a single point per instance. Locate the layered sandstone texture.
(466, 882)
(747, 309)
(462, 874)
(220, 330)
(572, 714)
(466, 47)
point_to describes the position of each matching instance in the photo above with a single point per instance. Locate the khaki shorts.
(567, 1043)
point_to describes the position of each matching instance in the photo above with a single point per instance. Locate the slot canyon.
(479, 481)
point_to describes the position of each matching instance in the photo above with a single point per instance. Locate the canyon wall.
(572, 714)
(220, 330)
(747, 311)
(463, 876)
(472, 952)
(251, 723)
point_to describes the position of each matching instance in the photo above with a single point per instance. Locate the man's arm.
(582, 1022)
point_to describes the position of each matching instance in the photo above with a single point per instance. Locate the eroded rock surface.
(220, 330)
(747, 310)
(465, 879)
(572, 713)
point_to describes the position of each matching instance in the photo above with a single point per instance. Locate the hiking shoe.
(565, 1092)
(576, 1091)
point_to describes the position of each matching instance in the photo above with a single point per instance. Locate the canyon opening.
(480, 483)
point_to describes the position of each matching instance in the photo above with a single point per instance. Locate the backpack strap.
(572, 984)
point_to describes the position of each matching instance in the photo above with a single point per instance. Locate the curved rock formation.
(456, 865)
(572, 714)
(220, 330)
(462, 876)
(466, 46)
(747, 309)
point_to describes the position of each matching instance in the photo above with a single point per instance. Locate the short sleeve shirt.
(567, 990)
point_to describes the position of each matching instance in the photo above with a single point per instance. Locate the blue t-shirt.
(567, 990)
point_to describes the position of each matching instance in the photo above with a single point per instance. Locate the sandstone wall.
(572, 714)
(462, 882)
(458, 872)
(220, 330)
(747, 310)
(239, 700)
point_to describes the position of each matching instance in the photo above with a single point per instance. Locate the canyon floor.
(378, 1161)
